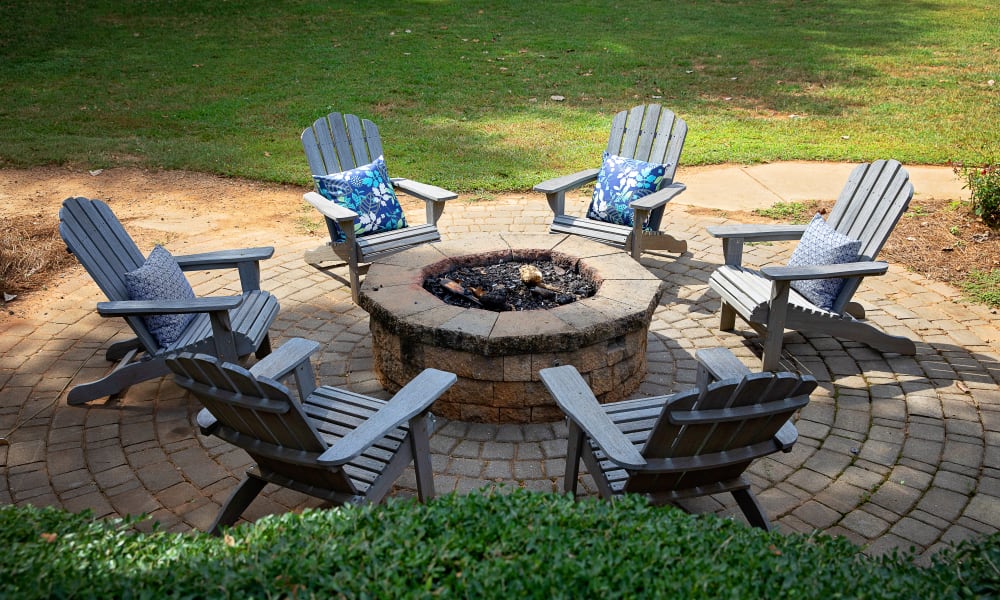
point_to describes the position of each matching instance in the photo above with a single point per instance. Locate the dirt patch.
(939, 239)
(156, 207)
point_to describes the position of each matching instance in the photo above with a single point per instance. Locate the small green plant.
(916, 211)
(983, 184)
(954, 230)
(793, 212)
(983, 286)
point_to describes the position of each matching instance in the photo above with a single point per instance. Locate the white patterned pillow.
(620, 182)
(822, 245)
(161, 278)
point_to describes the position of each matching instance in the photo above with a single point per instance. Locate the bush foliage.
(983, 184)
(481, 545)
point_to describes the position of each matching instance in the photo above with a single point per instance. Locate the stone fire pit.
(497, 355)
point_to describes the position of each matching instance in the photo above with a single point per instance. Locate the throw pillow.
(161, 278)
(822, 245)
(367, 190)
(620, 182)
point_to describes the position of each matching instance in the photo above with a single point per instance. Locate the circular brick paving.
(893, 451)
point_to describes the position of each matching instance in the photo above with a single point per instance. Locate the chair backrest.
(258, 415)
(873, 200)
(337, 142)
(737, 416)
(99, 241)
(653, 134)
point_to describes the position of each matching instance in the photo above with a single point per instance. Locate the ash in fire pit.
(509, 285)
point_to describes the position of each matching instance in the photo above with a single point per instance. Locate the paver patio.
(893, 451)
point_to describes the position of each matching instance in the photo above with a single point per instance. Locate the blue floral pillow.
(161, 278)
(822, 245)
(620, 182)
(367, 190)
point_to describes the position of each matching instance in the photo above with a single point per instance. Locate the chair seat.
(335, 412)
(374, 245)
(250, 322)
(749, 293)
(609, 233)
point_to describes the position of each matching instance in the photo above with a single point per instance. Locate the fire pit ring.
(497, 355)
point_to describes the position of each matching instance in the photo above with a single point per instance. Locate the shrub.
(481, 545)
(983, 184)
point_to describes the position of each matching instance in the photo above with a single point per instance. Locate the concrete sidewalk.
(735, 187)
(894, 451)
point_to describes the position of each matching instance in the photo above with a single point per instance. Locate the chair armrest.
(223, 259)
(424, 191)
(786, 436)
(576, 399)
(128, 308)
(716, 364)
(566, 182)
(284, 359)
(291, 358)
(207, 423)
(330, 210)
(246, 260)
(415, 398)
(658, 198)
(757, 233)
(856, 269)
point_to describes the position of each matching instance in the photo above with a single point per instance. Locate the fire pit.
(497, 355)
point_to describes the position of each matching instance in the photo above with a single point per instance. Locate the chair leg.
(574, 446)
(751, 508)
(420, 444)
(120, 350)
(238, 501)
(727, 321)
(265, 347)
(118, 380)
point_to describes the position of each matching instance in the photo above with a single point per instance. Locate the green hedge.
(501, 546)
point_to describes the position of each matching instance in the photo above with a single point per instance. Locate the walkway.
(893, 451)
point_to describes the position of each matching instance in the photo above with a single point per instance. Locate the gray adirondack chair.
(695, 443)
(230, 326)
(874, 198)
(336, 143)
(649, 133)
(327, 442)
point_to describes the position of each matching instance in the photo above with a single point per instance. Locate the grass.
(462, 91)
(796, 213)
(983, 286)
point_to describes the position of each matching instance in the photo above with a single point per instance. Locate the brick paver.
(894, 451)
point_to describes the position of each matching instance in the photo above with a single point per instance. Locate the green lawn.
(462, 91)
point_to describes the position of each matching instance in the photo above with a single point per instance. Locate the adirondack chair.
(648, 133)
(693, 443)
(337, 143)
(868, 208)
(230, 326)
(327, 442)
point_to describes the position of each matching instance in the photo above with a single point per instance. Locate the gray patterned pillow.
(822, 245)
(160, 278)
